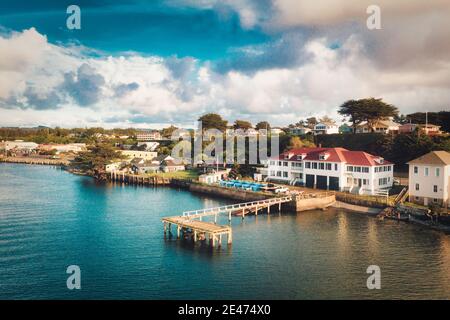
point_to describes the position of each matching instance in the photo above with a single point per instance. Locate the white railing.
(232, 207)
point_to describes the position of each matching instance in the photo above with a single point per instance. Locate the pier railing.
(234, 207)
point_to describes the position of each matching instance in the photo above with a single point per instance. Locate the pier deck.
(191, 221)
(199, 229)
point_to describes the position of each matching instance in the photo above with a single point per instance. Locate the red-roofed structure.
(332, 168)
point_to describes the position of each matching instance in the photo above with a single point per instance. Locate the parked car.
(281, 190)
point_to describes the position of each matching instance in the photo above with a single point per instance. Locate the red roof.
(359, 158)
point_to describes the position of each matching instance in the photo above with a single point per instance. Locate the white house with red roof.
(332, 169)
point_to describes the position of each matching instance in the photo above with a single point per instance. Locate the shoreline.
(185, 184)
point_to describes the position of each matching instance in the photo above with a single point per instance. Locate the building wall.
(146, 155)
(338, 170)
(425, 195)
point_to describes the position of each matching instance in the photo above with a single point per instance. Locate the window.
(437, 172)
(417, 198)
(365, 169)
(417, 187)
(435, 200)
(328, 166)
(322, 166)
(279, 163)
(272, 173)
(314, 165)
(350, 168)
(278, 173)
(272, 163)
(307, 165)
(335, 166)
(285, 163)
(285, 174)
(426, 172)
(416, 170)
(435, 188)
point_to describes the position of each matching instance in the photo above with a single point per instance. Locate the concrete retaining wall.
(302, 204)
(356, 208)
(230, 193)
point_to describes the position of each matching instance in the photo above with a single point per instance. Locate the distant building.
(429, 179)
(333, 169)
(326, 128)
(171, 166)
(299, 131)
(277, 131)
(148, 135)
(428, 129)
(213, 177)
(149, 146)
(20, 146)
(345, 128)
(146, 155)
(381, 126)
(145, 167)
(63, 148)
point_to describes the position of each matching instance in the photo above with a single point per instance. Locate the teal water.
(50, 219)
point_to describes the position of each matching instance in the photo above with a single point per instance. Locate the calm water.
(50, 219)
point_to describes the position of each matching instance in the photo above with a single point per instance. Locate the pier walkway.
(191, 224)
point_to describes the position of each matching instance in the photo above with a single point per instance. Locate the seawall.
(357, 208)
(230, 193)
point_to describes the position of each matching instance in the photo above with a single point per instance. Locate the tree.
(370, 110)
(242, 124)
(213, 121)
(296, 143)
(311, 122)
(263, 125)
(327, 119)
(94, 160)
(167, 132)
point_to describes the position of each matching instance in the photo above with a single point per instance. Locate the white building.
(429, 178)
(70, 147)
(381, 126)
(20, 145)
(148, 135)
(326, 128)
(333, 169)
(146, 155)
(298, 131)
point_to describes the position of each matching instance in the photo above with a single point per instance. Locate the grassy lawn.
(187, 174)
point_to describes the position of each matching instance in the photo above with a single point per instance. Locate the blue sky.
(154, 63)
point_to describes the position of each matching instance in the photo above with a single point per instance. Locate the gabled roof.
(433, 157)
(359, 158)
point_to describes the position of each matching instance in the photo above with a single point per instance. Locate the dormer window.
(287, 156)
(301, 156)
(324, 156)
(380, 160)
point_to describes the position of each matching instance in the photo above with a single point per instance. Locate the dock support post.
(268, 209)
(229, 216)
(256, 211)
(195, 236)
(170, 228)
(220, 240)
(230, 237)
(178, 232)
(243, 214)
(279, 207)
(213, 240)
(165, 228)
(215, 218)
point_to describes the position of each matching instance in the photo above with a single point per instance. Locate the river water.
(50, 219)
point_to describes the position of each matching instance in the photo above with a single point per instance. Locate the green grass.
(187, 174)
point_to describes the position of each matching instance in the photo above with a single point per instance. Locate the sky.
(147, 64)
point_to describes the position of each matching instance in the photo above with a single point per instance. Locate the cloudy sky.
(150, 63)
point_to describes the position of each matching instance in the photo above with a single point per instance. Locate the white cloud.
(176, 90)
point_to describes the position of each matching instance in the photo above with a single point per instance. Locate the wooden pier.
(199, 230)
(190, 223)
